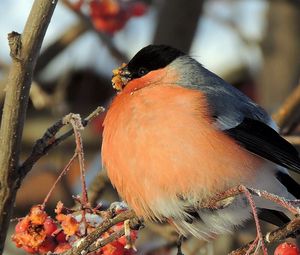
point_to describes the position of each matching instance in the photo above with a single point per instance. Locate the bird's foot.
(287, 204)
(214, 203)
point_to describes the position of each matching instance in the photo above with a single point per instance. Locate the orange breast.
(159, 142)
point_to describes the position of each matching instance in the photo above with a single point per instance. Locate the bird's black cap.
(152, 57)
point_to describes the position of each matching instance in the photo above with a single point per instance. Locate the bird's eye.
(142, 71)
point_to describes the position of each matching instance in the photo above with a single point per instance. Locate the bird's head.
(147, 60)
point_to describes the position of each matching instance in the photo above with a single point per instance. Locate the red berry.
(138, 9)
(62, 247)
(37, 215)
(22, 225)
(29, 249)
(286, 249)
(113, 248)
(61, 237)
(49, 244)
(49, 226)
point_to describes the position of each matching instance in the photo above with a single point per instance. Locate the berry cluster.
(110, 16)
(38, 233)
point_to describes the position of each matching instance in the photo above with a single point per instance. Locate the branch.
(293, 139)
(24, 50)
(224, 199)
(135, 223)
(91, 239)
(48, 141)
(278, 234)
(289, 111)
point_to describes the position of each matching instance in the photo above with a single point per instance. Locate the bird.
(176, 134)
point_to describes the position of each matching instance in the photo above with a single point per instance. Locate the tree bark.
(25, 49)
(281, 51)
(177, 23)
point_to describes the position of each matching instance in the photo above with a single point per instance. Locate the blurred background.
(252, 44)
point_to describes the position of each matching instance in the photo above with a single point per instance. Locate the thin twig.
(214, 202)
(105, 225)
(24, 50)
(76, 123)
(66, 168)
(48, 141)
(278, 234)
(293, 139)
(134, 224)
(289, 111)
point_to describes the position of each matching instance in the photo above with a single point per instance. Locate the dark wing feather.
(264, 141)
(274, 217)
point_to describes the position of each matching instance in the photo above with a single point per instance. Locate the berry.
(49, 244)
(286, 249)
(138, 9)
(62, 247)
(22, 225)
(61, 237)
(37, 215)
(29, 249)
(49, 226)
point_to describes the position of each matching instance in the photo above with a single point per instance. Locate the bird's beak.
(121, 76)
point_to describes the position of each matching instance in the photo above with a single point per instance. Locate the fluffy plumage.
(167, 145)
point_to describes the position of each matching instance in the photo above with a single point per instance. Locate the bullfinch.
(176, 134)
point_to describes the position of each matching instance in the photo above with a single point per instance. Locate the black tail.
(274, 217)
(292, 186)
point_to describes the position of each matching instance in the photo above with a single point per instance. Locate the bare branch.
(105, 225)
(274, 236)
(135, 223)
(48, 141)
(289, 111)
(25, 49)
(293, 139)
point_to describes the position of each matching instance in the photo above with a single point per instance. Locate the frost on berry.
(287, 249)
(30, 232)
(38, 233)
(49, 226)
(68, 223)
(37, 215)
(34, 232)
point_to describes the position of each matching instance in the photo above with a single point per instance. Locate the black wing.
(264, 141)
